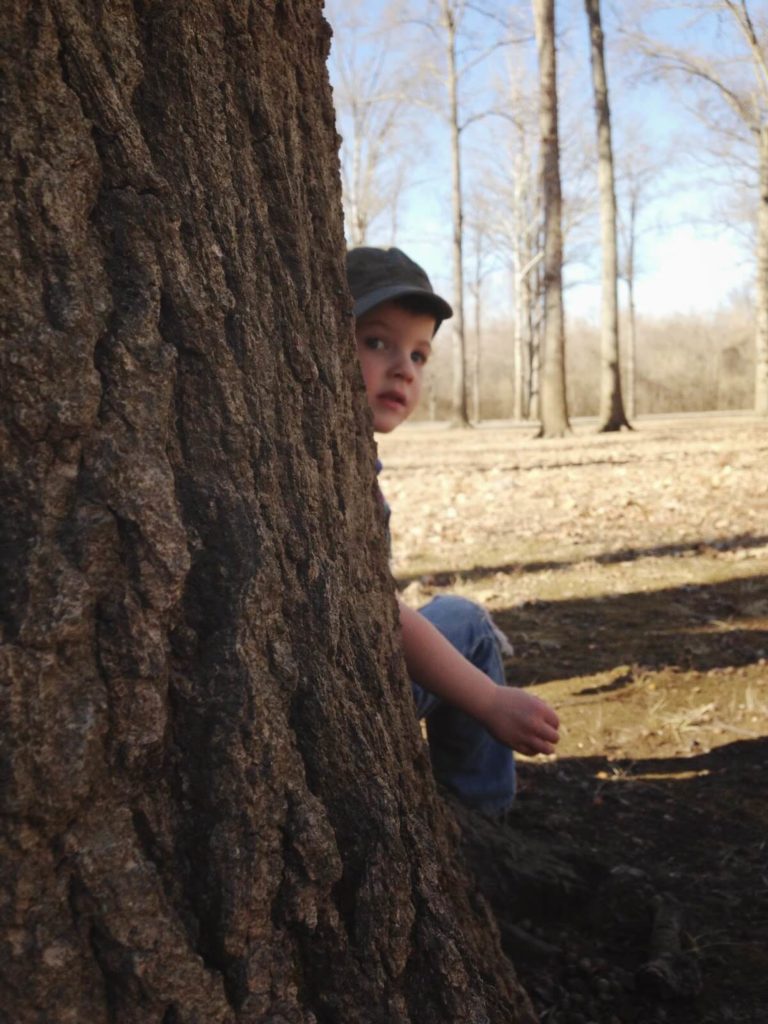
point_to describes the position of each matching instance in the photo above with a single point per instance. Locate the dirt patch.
(631, 575)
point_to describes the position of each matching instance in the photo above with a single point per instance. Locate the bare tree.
(611, 416)
(510, 176)
(553, 404)
(373, 86)
(215, 804)
(481, 258)
(451, 13)
(628, 273)
(463, 50)
(527, 279)
(638, 173)
(509, 187)
(737, 74)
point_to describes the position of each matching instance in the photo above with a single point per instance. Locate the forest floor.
(630, 572)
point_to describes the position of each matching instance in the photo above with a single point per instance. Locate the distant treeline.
(685, 363)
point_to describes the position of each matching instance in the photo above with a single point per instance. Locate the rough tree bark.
(215, 804)
(553, 405)
(611, 415)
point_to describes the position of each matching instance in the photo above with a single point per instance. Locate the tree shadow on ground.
(595, 846)
(497, 463)
(692, 627)
(739, 542)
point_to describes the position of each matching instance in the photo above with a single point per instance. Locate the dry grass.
(630, 571)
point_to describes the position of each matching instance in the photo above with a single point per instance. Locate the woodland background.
(438, 105)
(629, 570)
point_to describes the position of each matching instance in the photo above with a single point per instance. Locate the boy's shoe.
(503, 640)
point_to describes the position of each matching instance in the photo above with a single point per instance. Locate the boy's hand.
(521, 721)
(514, 717)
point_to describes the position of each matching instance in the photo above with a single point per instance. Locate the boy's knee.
(470, 629)
(458, 616)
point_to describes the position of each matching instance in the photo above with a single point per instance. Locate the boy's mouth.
(394, 399)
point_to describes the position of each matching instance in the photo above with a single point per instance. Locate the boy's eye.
(419, 357)
(375, 344)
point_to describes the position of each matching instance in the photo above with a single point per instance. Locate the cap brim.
(432, 302)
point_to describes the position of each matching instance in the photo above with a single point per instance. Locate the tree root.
(670, 973)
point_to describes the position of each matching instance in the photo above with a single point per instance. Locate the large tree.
(216, 805)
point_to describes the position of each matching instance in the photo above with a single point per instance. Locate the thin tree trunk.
(535, 344)
(459, 410)
(525, 259)
(761, 312)
(611, 416)
(519, 256)
(477, 296)
(631, 367)
(357, 223)
(518, 340)
(536, 315)
(553, 406)
(525, 336)
(216, 806)
(476, 360)
(535, 328)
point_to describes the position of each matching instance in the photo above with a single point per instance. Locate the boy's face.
(393, 346)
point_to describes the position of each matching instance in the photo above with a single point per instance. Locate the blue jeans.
(465, 757)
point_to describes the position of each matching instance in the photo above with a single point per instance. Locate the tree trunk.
(761, 311)
(476, 355)
(535, 342)
(216, 805)
(459, 405)
(477, 296)
(553, 406)
(518, 340)
(520, 234)
(631, 367)
(525, 342)
(612, 416)
(631, 351)
(357, 225)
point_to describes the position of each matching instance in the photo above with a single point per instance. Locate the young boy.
(451, 651)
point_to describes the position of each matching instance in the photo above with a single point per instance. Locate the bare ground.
(631, 574)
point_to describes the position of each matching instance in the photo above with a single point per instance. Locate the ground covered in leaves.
(631, 574)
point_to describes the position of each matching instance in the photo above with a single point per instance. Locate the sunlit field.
(630, 573)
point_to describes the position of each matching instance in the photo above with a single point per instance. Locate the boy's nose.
(402, 366)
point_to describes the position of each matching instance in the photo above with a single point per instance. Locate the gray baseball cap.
(380, 275)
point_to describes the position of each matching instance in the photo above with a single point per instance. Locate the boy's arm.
(514, 717)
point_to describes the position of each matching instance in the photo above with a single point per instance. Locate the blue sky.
(687, 260)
